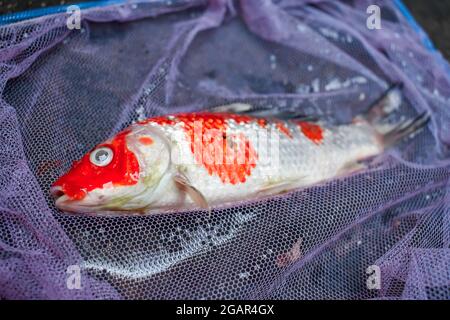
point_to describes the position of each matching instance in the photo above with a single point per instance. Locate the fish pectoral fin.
(184, 184)
(279, 187)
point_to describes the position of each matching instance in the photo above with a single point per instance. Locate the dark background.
(432, 15)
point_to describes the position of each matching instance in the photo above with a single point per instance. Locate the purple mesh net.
(63, 91)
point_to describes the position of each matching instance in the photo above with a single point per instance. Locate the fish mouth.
(61, 199)
(58, 194)
(64, 203)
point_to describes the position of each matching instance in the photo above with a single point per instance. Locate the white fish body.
(206, 159)
(297, 162)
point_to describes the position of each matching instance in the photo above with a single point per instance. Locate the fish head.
(119, 174)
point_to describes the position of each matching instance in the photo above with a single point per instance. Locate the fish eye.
(101, 157)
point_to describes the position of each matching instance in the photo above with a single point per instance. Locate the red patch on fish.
(85, 176)
(262, 122)
(284, 129)
(146, 140)
(231, 157)
(312, 131)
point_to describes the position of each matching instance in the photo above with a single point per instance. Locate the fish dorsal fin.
(390, 100)
(265, 112)
(185, 185)
(233, 108)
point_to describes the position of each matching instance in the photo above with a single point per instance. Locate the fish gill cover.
(379, 234)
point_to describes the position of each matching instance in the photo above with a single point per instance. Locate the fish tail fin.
(405, 129)
(390, 101)
(387, 103)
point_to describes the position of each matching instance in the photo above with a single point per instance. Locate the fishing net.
(382, 233)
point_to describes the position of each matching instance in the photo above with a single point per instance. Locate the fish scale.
(204, 159)
(299, 160)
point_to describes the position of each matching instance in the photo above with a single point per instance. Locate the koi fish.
(227, 154)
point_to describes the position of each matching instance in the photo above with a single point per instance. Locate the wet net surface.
(63, 91)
